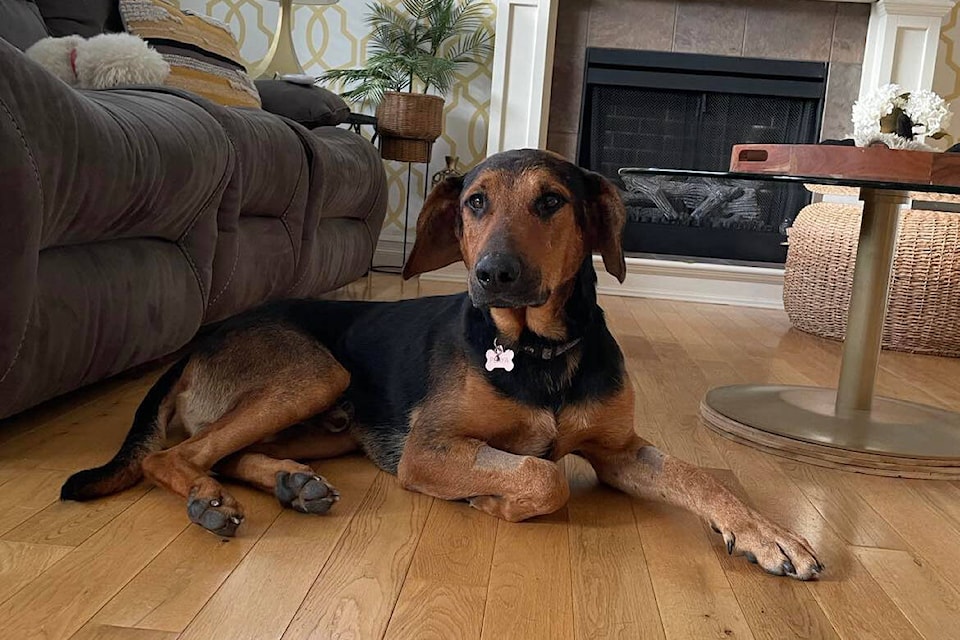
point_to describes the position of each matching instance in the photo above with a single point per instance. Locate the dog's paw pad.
(218, 514)
(305, 492)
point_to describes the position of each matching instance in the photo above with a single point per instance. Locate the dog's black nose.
(497, 272)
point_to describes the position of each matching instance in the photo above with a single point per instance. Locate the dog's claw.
(731, 542)
(788, 568)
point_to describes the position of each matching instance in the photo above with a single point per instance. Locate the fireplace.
(686, 111)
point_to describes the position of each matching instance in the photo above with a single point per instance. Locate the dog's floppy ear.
(605, 217)
(437, 244)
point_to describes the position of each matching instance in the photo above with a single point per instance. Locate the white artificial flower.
(928, 112)
(868, 110)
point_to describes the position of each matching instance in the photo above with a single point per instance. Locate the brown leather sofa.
(130, 218)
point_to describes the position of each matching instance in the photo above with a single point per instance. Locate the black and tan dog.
(466, 397)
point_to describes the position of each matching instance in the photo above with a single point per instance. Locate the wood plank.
(942, 497)
(31, 491)
(932, 605)
(850, 516)
(172, 589)
(612, 592)
(530, 591)
(931, 536)
(444, 592)
(69, 593)
(71, 523)
(22, 562)
(108, 632)
(678, 376)
(693, 594)
(263, 593)
(356, 591)
(8, 473)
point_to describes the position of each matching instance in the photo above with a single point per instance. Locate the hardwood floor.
(393, 564)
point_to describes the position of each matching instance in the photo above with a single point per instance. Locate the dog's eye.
(476, 201)
(549, 203)
(552, 201)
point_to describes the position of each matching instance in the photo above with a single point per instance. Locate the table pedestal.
(848, 427)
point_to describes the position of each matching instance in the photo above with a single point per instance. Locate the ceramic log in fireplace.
(686, 111)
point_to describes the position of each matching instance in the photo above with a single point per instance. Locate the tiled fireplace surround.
(814, 30)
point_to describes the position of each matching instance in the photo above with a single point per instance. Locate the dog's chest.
(532, 432)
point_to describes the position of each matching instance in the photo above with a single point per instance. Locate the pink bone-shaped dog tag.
(499, 358)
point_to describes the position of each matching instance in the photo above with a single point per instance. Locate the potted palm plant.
(413, 52)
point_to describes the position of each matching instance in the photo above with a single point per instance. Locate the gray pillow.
(310, 105)
(20, 23)
(85, 18)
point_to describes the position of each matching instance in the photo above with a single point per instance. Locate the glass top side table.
(847, 427)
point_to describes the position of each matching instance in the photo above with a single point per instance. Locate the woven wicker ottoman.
(924, 308)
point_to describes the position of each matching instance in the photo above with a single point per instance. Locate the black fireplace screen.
(681, 111)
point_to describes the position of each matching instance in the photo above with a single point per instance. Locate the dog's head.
(522, 222)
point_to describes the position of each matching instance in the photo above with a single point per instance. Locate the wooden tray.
(849, 163)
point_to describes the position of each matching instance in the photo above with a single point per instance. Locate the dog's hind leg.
(278, 403)
(293, 483)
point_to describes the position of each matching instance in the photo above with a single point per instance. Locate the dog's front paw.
(772, 547)
(220, 514)
(305, 492)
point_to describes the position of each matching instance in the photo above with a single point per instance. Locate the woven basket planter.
(408, 125)
(924, 309)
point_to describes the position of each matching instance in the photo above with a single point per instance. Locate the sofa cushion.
(20, 23)
(85, 18)
(99, 309)
(311, 106)
(203, 53)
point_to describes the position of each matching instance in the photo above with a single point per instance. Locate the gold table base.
(896, 438)
(848, 427)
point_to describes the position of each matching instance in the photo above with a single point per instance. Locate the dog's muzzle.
(502, 280)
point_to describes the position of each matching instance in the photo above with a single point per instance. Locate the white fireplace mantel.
(902, 41)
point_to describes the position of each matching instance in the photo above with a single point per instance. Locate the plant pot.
(405, 149)
(408, 125)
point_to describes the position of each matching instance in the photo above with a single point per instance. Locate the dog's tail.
(146, 435)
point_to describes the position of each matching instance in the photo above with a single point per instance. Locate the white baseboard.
(759, 287)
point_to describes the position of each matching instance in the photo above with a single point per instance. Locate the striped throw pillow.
(203, 53)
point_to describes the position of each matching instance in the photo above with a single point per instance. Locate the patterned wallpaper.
(333, 36)
(946, 80)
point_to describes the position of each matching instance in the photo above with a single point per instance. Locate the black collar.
(548, 353)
